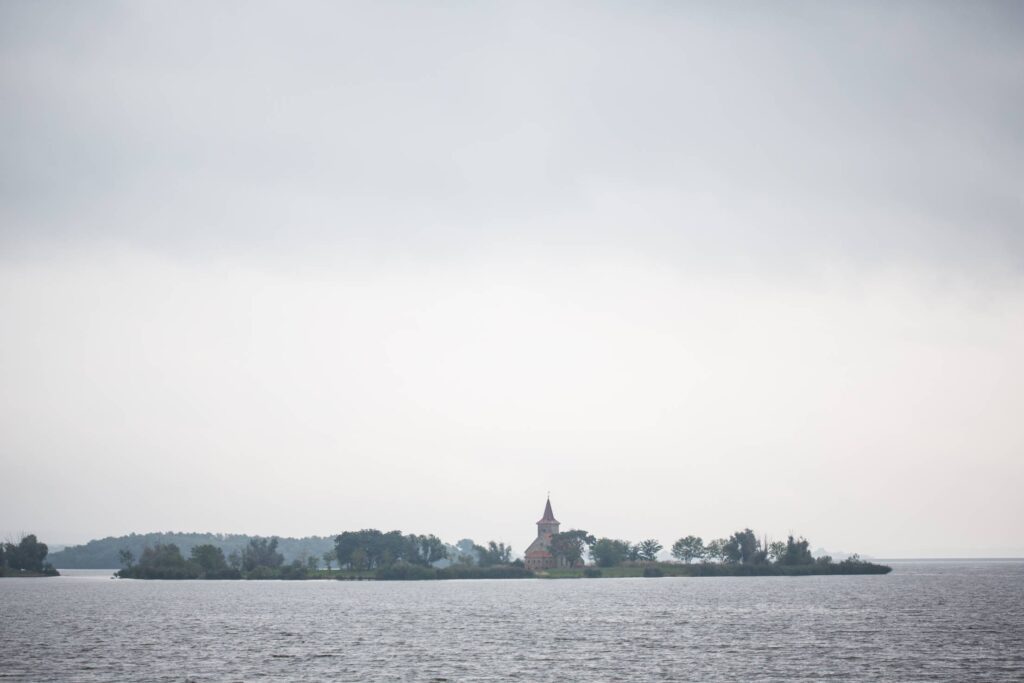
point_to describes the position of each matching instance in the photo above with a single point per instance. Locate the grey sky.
(691, 267)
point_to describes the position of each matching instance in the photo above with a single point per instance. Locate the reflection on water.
(926, 621)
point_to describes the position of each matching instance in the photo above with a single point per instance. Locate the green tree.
(796, 552)
(715, 549)
(345, 544)
(494, 553)
(261, 552)
(688, 548)
(162, 561)
(776, 550)
(371, 549)
(648, 549)
(609, 552)
(329, 557)
(568, 546)
(127, 558)
(210, 559)
(388, 549)
(425, 550)
(359, 560)
(742, 547)
(433, 549)
(28, 555)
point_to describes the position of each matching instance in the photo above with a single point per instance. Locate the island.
(25, 559)
(371, 554)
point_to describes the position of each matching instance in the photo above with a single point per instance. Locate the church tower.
(548, 525)
(538, 556)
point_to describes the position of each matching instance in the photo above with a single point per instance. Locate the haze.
(294, 269)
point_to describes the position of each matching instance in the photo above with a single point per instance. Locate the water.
(952, 621)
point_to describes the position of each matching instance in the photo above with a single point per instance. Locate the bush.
(592, 573)
(410, 572)
(223, 575)
(653, 572)
(263, 573)
(406, 572)
(296, 571)
(499, 571)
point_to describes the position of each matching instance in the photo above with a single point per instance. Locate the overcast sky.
(291, 269)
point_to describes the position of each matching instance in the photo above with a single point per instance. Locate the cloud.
(691, 268)
(886, 135)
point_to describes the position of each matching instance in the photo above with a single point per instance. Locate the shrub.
(406, 572)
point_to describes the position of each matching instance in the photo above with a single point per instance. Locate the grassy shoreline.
(647, 570)
(666, 569)
(7, 573)
(640, 570)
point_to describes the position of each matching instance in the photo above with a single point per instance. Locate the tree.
(715, 549)
(387, 549)
(127, 558)
(776, 550)
(796, 552)
(425, 550)
(742, 547)
(162, 561)
(27, 556)
(494, 553)
(688, 548)
(609, 552)
(568, 546)
(329, 557)
(648, 549)
(345, 544)
(465, 546)
(210, 559)
(311, 563)
(235, 559)
(261, 552)
(359, 560)
(371, 549)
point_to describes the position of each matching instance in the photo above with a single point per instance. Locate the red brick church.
(538, 555)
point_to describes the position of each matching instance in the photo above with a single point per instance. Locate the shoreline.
(15, 574)
(646, 570)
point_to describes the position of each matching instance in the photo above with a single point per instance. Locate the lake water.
(951, 621)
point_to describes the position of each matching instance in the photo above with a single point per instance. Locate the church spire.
(549, 516)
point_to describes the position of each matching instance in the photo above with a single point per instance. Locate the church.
(538, 556)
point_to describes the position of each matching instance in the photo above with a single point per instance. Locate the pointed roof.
(549, 516)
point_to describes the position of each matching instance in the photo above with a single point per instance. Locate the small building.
(538, 555)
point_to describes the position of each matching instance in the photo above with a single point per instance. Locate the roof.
(549, 516)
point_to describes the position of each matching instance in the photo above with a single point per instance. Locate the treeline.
(258, 560)
(105, 553)
(745, 548)
(371, 549)
(392, 556)
(722, 556)
(368, 553)
(25, 558)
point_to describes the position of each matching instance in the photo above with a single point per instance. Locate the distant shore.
(639, 570)
(7, 573)
(663, 569)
